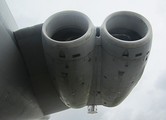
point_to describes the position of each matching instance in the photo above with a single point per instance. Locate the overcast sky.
(147, 101)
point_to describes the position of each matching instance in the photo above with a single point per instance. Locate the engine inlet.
(68, 34)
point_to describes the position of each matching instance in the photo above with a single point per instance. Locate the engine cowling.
(126, 43)
(71, 44)
(68, 40)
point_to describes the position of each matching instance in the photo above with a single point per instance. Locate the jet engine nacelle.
(126, 43)
(95, 65)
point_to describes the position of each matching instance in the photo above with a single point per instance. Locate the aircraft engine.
(68, 40)
(67, 62)
(96, 65)
(126, 43)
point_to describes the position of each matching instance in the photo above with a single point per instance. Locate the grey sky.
(147, 101)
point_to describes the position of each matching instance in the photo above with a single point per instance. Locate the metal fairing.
(67, 62)
(16, 97)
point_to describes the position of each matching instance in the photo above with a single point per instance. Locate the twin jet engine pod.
(95, 66)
